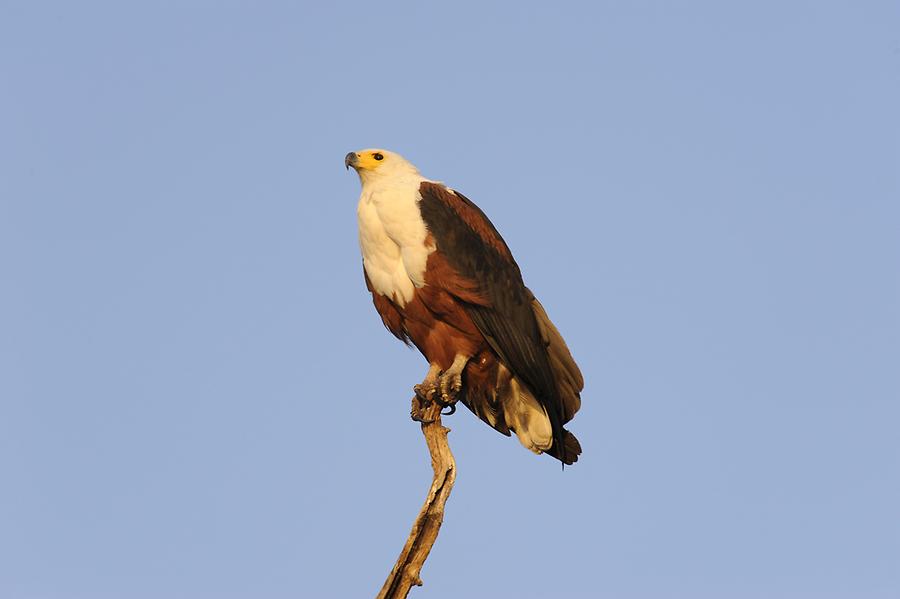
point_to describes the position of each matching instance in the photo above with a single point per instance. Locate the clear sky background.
(197, 399)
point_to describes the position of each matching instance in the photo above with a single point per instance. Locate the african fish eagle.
(443, 279)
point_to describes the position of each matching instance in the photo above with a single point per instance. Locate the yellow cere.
(369, 159)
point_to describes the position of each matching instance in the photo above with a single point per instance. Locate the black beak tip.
(349, 159)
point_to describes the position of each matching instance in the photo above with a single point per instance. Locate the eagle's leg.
(425, 392)
(451, 382)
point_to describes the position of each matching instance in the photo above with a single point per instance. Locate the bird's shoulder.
(455, 220)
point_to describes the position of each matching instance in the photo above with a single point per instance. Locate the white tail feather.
(529, 420)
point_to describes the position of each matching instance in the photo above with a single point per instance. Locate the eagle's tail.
(572, 446)
(506, 403)
(526, 417)
(509, 406)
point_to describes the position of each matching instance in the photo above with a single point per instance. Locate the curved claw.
(420, 419)
(417, 412)
(451, 408)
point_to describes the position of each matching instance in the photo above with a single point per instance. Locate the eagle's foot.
(419, 407)
(426, 391)
(450, 383)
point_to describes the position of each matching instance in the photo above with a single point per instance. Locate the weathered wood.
(425, 529)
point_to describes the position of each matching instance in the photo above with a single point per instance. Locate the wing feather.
(474, 248)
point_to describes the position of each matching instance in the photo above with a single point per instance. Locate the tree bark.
(425, 529)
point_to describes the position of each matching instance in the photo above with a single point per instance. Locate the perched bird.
(443, 279)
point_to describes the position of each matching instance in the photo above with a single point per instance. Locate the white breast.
(392, 239)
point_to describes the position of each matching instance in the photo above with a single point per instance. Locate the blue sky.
(197, 399)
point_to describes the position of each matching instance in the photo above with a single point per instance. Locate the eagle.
(443, 279)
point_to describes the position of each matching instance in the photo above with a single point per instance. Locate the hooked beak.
(351, 159)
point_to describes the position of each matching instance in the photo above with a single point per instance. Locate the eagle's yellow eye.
(378, 156)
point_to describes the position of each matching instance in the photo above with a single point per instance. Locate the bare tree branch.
(428, 523)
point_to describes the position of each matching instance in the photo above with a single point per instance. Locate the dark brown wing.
(474, 248)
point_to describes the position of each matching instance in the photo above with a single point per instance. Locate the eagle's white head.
(374, 166)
